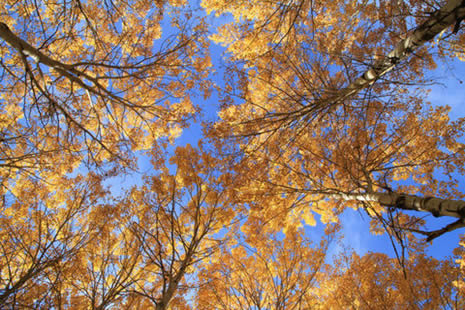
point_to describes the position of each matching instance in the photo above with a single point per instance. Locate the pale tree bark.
(433, 205)
(452, 13)
(25, 48)
(71, 72)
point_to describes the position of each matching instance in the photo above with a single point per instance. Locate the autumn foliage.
(319, 107)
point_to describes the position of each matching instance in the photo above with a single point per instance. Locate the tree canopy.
(320, 107)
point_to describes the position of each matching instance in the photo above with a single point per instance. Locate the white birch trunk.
(451, 13)
(68, 70)
(25, 48)
(433, 205)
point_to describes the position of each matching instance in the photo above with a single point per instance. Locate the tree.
(97, 90)
(269, 273)
(176, 219)
(42, 228)
(376, 281)
(273, 28)
(328, 135)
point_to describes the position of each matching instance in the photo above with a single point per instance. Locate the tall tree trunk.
(433, 205)
(452, 13)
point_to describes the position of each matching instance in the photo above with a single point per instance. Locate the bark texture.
(433, 205)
